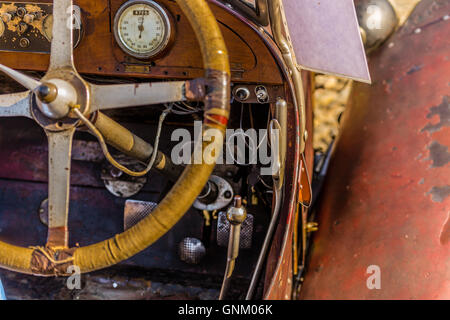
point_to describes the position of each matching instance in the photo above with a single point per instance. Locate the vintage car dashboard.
(136, 38)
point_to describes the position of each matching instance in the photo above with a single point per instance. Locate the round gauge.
(2, 28)
(47, 27)
(143, 29)
(47, 30)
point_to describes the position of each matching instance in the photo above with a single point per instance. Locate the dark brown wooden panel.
(98, 52)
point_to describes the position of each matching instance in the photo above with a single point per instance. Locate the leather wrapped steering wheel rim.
(53, 261)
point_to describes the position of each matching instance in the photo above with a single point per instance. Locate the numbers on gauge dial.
(142, 29)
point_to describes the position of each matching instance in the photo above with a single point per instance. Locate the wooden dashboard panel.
(98, 53)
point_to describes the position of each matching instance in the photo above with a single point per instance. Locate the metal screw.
(116, 173)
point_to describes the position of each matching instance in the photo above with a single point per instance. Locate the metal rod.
(233, 252)
(236, 215)
(265, 247)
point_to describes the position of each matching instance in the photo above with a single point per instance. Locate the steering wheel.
(54, 103)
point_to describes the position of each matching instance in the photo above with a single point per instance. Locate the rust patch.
(438, 154)
(195, 90)
(443, 111)
(438, 194)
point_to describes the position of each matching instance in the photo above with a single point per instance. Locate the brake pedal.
(135, 211)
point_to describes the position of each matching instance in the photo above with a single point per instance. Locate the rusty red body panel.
(386, 200)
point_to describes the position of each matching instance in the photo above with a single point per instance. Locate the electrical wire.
(108, 155)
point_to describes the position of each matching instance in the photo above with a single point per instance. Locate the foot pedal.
(223, 231)
(135, 211)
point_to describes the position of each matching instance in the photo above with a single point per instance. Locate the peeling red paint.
(396, 216)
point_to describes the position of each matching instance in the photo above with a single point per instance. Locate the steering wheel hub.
(55, 98)
(52, 100)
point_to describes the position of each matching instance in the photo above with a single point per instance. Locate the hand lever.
(236, 215)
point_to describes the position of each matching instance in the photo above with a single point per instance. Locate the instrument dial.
(2, 28)
(47, 27)
(143, 29)
(47, 30)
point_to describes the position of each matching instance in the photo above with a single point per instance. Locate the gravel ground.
(330, 99)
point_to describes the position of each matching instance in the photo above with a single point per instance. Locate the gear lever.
(236, 215)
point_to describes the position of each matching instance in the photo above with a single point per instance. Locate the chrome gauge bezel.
(167, 31)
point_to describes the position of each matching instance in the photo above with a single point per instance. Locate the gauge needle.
(141, 27)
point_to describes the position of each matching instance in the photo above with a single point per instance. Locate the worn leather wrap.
(15, 258)
(182, 195)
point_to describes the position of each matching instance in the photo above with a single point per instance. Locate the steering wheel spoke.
(62, 40)
(26, 81)
(115, 96)
(59, 161)
(15, 105)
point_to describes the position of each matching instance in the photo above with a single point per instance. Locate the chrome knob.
(242, 93)
(377, 19)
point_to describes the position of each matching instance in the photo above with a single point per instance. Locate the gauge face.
(47, 31)
(47, 27)
(2, 28)
(142, 28)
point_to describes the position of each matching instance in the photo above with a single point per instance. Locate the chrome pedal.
(135, 211)
(223, 231)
